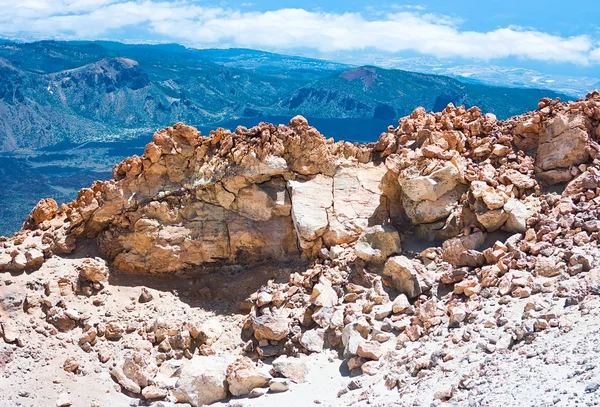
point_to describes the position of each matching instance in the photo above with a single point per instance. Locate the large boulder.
(357, 201)
(203, 380)
(407, 276)
(45, 210)
(458, 251)
(243, 376)
(564, 144)
(310, 201)
(429, 187)
(270, 327)
(425, 211)
(137, 368)
(378, 243)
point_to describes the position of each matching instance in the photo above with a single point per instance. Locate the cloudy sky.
(548, 33)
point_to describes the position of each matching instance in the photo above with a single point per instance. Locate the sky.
(550, 35)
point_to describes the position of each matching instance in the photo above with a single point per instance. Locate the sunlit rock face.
(282, 193)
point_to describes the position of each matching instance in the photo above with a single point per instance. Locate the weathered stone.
(94, 270)
(370, 350)
(154, 392)
(400, 304)
(426, 211)
(137, 369)
(323, 295)
(518, 214)
(203, 380)
(313, 340)
(145, 296)
(295, 369)
(243, 376)
(63, 400)
(310, 201)
(273, 328)
(279, 385)
(407, 277)
(429, 187)
(114, 331)
(209, 331)
(45, 210)
(564, 145)
(453, 249)
(548, 267)
(377, 243)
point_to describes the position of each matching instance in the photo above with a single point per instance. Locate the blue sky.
(551, 36)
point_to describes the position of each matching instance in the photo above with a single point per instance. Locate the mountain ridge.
(186, 85)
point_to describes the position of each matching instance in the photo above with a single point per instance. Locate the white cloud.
(408, 7)
(288, 29)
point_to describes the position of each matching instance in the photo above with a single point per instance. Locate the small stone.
(153, 392)
(370, 368)
(370, 350)
(278, 385)
(114, 331)
(145, 296)
(94, 270)
(71, 364)
(443, 394)
(103, 355)
(457, 315)
(63, 400)
(257, 392)
(9, 332)
(383, 311)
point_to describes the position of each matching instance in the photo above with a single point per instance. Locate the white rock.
(203, 380)
(278, 385)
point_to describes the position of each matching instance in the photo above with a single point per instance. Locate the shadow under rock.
(219, 289)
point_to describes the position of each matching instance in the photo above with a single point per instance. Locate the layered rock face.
(268, 193)
(281, 193)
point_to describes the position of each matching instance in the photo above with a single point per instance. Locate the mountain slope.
(79, 91)
(387, 94)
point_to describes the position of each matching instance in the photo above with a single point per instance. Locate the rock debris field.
(453, 262)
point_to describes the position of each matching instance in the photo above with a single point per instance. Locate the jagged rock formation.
(515, 203)
(278, 193)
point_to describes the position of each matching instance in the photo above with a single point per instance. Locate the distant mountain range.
(55, 91)
(488, 74)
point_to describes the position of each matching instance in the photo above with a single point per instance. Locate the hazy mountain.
(53, 91)
(507, 76)
(388, 94)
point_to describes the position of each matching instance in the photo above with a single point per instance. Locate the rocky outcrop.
(280, 193)
(371, 287)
